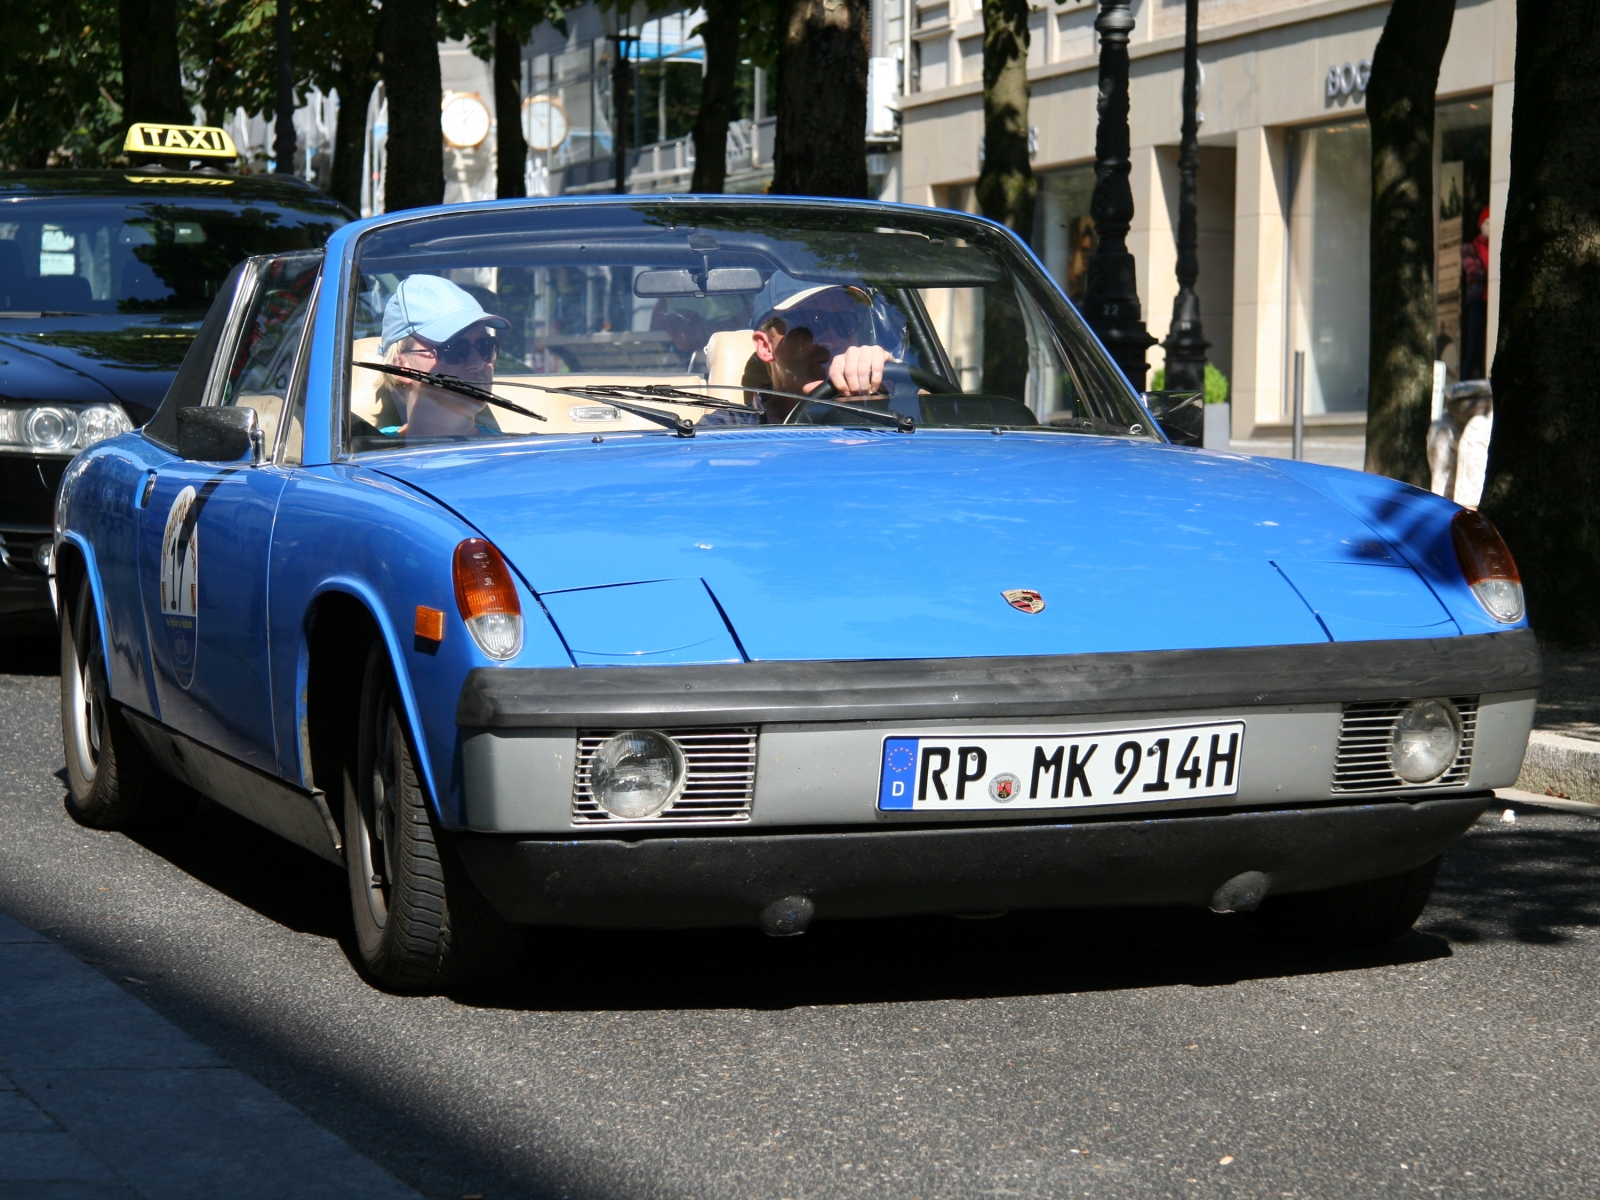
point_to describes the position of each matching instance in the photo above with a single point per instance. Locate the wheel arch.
(338, 609)
(74, 562)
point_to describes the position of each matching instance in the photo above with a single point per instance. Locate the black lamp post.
(1186, 348)
(1111, 300)
(621, 95)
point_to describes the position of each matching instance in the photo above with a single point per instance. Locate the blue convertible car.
(695, 561)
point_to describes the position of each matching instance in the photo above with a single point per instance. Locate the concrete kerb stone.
(1563, 767)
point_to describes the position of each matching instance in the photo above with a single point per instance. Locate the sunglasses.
(455, 352)
(845, 325)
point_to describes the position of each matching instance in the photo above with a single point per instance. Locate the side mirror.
(1181, 415)
(219, 434)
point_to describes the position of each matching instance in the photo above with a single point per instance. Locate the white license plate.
(1060, 770)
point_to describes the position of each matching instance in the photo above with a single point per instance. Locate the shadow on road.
(1530, 882)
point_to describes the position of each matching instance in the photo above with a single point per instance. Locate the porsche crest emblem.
(1024, 600)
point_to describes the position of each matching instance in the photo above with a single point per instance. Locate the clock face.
(544, 122)
(464, 121)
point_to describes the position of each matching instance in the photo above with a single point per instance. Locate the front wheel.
(420, 923)
(1367, 913)
(111, 782)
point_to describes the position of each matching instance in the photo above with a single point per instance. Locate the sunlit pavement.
(1154, 1053)
(1349, 452)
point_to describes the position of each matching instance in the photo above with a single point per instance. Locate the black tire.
(1375, 911)
(111, 782)
(420, 923)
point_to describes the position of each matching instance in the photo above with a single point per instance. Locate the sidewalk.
(101, 1097)
(1564, 752)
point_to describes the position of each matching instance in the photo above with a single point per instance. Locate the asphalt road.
(1153, 1053)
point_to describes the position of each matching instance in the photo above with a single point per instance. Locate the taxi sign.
(186, 141)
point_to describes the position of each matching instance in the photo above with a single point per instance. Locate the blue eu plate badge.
(899, 773)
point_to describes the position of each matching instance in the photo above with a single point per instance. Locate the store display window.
(1461, 268)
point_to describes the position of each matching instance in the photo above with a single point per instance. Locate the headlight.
(59, 428)
(1426, 740)
(636, 774)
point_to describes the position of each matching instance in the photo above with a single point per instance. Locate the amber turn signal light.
(487, 598)
(430, 623)
(1488, 566)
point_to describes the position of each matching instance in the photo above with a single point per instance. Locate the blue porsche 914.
(698, 561)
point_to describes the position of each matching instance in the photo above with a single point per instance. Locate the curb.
(1540, 800)
(1563, 767)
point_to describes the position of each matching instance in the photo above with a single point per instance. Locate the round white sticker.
(180, 582)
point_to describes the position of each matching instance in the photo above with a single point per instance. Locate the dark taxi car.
(104, 279)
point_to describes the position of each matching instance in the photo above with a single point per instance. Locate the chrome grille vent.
(719, 788)
(1363, 761)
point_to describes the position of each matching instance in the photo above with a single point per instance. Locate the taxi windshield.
(68, 254)
(675, 316)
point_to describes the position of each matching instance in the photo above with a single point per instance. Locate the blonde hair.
(387, 390)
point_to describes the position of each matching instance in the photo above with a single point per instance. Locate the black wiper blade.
(450, 383)
(898, 420)
(681, 426)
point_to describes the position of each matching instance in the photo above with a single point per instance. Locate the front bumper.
(669, 882)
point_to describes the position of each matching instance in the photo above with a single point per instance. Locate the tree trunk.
(1544, 461)
(152, 85)
(1405, 74)
(822, 99)
(350, 135)
(409, 36)
(1006, 187)
(721, 36)
(510, 147)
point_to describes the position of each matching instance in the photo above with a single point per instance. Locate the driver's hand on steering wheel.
(859, 370)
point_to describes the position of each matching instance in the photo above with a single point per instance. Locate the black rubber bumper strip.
(966, 688)
(688, 882)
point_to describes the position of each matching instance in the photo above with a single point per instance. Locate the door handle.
(149, 487)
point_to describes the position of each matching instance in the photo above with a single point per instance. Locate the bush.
(1216, 384)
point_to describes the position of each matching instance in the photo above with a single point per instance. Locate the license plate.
(1060, 770)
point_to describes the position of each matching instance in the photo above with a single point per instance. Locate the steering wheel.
(896, 372)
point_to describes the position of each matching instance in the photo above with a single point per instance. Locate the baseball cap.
(784, 292)
(432, 309)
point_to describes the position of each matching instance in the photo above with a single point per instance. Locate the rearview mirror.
(1181, 415)
(718, 280)
(219, 434)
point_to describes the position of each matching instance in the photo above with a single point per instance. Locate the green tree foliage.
(1405, 73)
(1544, 460)
(60, 83)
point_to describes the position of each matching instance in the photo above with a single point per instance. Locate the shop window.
(1461, 268)
(1063, 233)
(1330, 213)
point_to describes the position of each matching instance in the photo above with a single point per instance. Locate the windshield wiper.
(450, 383)
(900, 421)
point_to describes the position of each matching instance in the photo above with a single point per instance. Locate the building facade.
(1285, 178)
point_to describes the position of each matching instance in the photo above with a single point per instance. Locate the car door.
(206, 533)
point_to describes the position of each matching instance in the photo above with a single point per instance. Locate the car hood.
(849, 545)
(82, 359)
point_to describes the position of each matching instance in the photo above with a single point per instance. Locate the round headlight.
(1426, 740)
(636, 774)
(103, 421)
(51, 428)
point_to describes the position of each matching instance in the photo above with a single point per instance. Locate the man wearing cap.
(431, 325)
(805, 334)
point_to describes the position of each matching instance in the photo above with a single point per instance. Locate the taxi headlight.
(1426, 740)
(59, 428)
(636, 774)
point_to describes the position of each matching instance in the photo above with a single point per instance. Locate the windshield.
(95, 255)
(667, 317)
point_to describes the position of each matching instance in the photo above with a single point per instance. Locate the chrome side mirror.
(219, 434)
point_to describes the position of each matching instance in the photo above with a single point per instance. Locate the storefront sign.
(1349, 79)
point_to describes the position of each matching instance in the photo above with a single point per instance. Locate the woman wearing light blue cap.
(432, 325)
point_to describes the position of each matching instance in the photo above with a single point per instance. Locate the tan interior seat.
(726, 355)
(365, 400)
